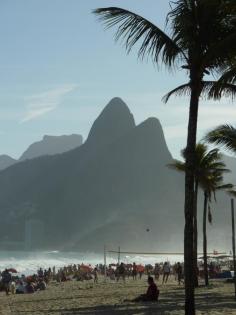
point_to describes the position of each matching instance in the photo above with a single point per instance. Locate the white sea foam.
(30, 262)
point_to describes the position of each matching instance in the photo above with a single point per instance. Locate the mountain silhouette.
(51, 145)
(111, 190)
(6, 161)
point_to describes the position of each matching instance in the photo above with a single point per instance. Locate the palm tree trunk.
(205, 239)
(195, 235)
(189, 199)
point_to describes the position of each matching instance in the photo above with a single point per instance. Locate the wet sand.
(108, 298)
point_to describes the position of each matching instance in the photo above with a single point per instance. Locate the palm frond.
(222, 89)
(222, 50)
(177, 165)
(210, 90)
(229, 74)
(225, 187)
(133, 28)
(224, 135)
(181, 90)
(232, 192)
(209, 215)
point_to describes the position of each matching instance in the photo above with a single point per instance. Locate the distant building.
(34, 234)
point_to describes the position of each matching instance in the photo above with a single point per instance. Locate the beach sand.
(86, 298)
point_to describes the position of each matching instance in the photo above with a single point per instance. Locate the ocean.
(28, 262)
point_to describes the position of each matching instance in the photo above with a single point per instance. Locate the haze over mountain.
(111, 190)
(49, 145)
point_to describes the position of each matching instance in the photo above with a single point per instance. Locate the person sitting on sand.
(20, 288)
(29, 288)
(152, 293)
(41, 285)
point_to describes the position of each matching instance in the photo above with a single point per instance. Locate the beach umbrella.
(86, 268)
(140, 268)
(13, 270)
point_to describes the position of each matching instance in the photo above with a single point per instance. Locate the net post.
(118, 255)
(105, 264)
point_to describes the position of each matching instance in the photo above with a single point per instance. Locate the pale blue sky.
(59, 68)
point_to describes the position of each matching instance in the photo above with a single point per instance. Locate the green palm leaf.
(210, 90)
(133, 28)
(181, 90)
(177, 165)
(224, 135)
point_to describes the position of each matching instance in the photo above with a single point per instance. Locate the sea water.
(28, 262)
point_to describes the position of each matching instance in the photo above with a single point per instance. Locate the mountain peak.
(150, 130)
(114, 121)
(6, 161)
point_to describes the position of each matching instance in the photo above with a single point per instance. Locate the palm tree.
(206, 163)
(210, 184)
(195, 42)
(224, 135)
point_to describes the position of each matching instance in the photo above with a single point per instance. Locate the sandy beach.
(75, 297)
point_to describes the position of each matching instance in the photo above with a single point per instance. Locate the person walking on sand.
(134, 271)
(6, 279)
(121, 272)
(95, 273)
(179, 271)
(166, 272)
(157, 271)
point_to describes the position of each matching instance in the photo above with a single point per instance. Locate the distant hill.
(6, 161)
(51, 145)
(115, 189)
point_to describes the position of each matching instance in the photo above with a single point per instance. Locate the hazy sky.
(59, 68)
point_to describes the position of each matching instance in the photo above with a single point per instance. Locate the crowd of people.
(122, 271)
(21, 284)
(11, 282)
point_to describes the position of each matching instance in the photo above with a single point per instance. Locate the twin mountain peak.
(80, 194)
(115, 121)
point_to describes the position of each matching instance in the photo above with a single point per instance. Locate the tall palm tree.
(210, 184)
(206, 163)
(197, 30)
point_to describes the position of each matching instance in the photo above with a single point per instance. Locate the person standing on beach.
(157, 272)
(179, 271)
(121, 272)
(6, 279)
(134, 271)
(95, 273)
(166, 272)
